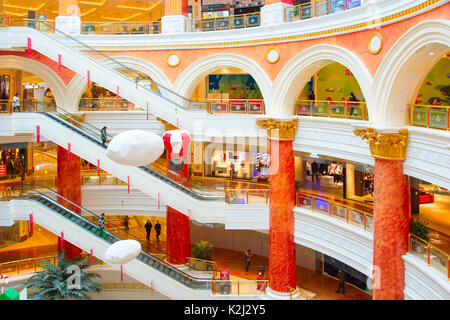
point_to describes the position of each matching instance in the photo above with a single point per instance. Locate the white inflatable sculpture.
(122, 251)
(135, 147)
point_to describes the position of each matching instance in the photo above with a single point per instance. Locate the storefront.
(237, 162)
(350, 180)
(210, 9)
(14, 161)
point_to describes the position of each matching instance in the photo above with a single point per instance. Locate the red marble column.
(391, 227)
(68, 184)
(282, 264)
(178, 236)
(178, 224)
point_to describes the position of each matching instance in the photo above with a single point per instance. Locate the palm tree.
(67, 280)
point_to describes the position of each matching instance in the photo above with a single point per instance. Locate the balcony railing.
(243, 106)
(336, 210)
(135, 27)
(239, 287)
(106, 104)
(35, 264)
(317, 8)
(432, 256)
(332, 109)
(429, 116)
(246, 196)
(29, 105)
(224, 23)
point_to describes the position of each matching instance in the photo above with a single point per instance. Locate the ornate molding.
(277, 129)
(389, 146)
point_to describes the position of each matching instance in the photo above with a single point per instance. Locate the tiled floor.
(43, 243)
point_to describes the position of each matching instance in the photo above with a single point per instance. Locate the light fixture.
(431, 53)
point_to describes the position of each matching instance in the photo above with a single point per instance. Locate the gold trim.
(282, 130)
(171, 55)
(267, 55)
(388, 146)
(375, 34)
(284, 39)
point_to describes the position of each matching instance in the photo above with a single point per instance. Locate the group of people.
(334, 169)
(148, 226)
(15, 166)
(148, 229)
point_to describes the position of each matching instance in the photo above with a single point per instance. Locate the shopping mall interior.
(306, 147)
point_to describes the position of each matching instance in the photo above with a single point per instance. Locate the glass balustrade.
(429, 116)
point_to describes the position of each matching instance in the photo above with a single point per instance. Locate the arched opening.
(431, 106)
(229, 90)
(332, 91)
(98, 98)
(330, 67)
(249, 75)
(404, 69)
(24, 91)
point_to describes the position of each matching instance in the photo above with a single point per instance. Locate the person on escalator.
(104, 135)
(101, 222)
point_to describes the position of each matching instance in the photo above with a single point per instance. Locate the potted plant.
(420, 230)
(202, 250)
(59, 282)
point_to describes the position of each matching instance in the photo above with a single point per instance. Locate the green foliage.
(420, 229)
(58, 282)
(200, 248)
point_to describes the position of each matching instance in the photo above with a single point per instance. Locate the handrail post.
(448, 268)
(365, 219)
(409, 242)
(428, 254)
(346, 214)
(428, 117)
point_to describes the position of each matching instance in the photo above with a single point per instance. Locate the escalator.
(122, 80)
(156, 169)
(83, 227)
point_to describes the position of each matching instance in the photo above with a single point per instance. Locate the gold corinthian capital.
(279, 129)
(388, 146)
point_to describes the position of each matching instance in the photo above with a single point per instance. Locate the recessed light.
(431, 53)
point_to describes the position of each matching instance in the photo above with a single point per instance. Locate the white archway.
(189, 78)
(54, 82)
(404, 68)
(78, 84)
(295, 74)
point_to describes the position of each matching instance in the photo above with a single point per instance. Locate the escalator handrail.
(116, 62)
(41, 194)
(145, 168)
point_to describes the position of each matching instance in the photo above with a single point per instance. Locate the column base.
(273, 14)
(68, 24)
(173, 24)
(272, 294)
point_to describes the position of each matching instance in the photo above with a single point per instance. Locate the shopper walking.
(314, 171)
(125, 223)
(248, 259)
(352, 105)
(16, 102)
(158, 230)
(341, 277)
(148, 229)
(104, 136)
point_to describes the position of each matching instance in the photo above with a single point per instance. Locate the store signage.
(2, 170)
